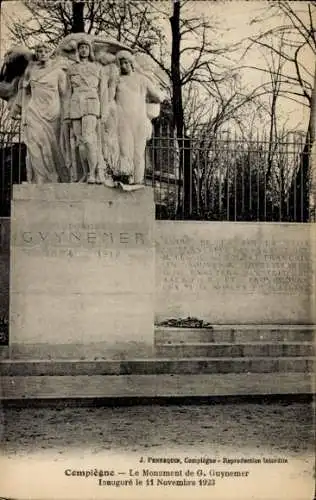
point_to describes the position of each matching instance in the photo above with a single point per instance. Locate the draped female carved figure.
(130, 120)
(39, 104)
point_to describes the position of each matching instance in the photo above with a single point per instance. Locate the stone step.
(96, 389)
(219, 334)
(255, 349)
(237, 334)
(192, 366)
(90, 351)
(100, 351)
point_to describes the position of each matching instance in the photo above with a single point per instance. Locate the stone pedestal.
(82, 271)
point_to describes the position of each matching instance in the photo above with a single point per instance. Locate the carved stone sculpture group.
(85, 111)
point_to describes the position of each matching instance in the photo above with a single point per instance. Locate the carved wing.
(110, 46)
(104, 49)
(12, 69)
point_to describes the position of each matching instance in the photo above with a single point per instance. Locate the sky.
(233, 16)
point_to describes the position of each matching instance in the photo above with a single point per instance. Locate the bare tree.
(194, 62)
(293, 42)
(128, 22)
(189, 56)
(9, 129)
(275, 65)
(290, 43)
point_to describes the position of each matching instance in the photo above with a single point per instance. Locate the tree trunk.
(303, 189)
(175, 69)
(178, 118)
(312, 166)
(312, 124)
(77, 16)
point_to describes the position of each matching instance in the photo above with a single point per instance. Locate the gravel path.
(280, 428)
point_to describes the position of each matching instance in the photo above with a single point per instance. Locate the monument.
(91, 270)
(82, 244)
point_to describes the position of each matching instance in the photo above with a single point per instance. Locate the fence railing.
(206, 179)
(230, 179)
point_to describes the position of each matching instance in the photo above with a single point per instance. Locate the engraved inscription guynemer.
(80, 236)
(76, 241)
(237, 264)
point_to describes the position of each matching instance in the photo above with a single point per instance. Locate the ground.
(280, 427)
(40, 444)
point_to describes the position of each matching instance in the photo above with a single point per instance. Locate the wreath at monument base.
(184, 323)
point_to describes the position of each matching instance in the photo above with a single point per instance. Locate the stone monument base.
(82, 270)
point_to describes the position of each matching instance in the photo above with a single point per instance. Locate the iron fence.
(12, 168)
(218, 178)
(230, 178)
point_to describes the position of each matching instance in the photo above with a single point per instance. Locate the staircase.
(219, 363)
(241, 348)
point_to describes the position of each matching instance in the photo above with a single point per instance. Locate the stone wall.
(223, 272)
(4, 266)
